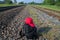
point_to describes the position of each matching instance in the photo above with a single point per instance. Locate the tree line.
(8, 1)
(48, 2)
(52, 2)
(45, 2)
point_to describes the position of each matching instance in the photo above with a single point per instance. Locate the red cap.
(29, 21)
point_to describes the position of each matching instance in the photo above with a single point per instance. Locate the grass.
(5, 5)
(52, 7)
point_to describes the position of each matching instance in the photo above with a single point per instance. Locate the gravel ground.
(47, 23)
(6, 17)
(50, 12)
(18, 22)
(45, 17)
(12, 20)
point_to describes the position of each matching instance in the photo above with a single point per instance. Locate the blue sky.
(38, 1)
(27, 1)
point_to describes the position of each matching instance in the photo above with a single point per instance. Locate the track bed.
(12, 20)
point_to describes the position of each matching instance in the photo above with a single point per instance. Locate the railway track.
(17, 23)
(12, 20)
(6, 18)
(10, 30)
(49, 23)
(52, 19)
(9, 7)
(50, 12)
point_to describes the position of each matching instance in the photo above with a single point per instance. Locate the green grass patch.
(5, 5)
(52, 7)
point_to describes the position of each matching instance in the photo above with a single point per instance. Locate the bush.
(58, 4)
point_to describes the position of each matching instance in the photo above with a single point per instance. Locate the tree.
(7, 1)
(11, 2)
(32, 2)
(49, 2)
(21, 2)
(1, 2)
(15, 1)
(58, 2)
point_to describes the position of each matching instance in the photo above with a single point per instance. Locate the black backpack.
(29, 32)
